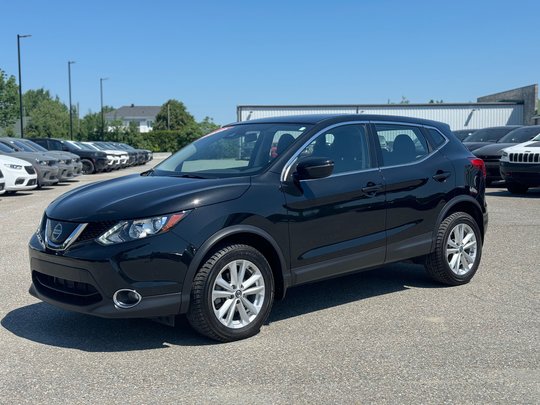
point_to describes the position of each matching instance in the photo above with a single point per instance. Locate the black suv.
(217, 233)
(92, 161)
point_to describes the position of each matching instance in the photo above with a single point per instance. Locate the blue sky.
(216, 55)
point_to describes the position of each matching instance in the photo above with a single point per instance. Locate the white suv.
(520, 166)
(19, 175)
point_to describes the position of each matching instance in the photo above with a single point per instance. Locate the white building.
(142, 116)
(513, 107)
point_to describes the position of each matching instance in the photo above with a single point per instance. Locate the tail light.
(479, 164)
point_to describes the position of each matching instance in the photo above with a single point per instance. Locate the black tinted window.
(401, 144)
(488, 134)
(55, 145)
(436, 137)
(520, 135)
(345, 145)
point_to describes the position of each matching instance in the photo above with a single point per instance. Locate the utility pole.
(20, 81)
(102, 115)
(70, 105)
(168, 116)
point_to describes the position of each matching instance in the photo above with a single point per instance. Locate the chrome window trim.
(290, 162)
(69, 240)
(433, 152)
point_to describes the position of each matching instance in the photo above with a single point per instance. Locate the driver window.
(345, 145)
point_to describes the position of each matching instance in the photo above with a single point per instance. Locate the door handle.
(441, 176)
(371, 189)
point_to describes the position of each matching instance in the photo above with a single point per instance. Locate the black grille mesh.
(95, 229)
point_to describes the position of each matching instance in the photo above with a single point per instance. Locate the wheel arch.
(245, 234)
(466, 204)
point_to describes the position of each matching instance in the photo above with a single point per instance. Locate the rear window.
(489, 134)
(520, 135)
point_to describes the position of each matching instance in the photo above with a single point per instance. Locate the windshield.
(489, 134)
(5, 148)
(521, 135)
(22, 146)
(92, 146)
(233, 151)
(35, 146)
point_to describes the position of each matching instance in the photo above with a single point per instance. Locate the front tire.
(88, 166)
(458, 250)
(232, 294)
(515, 188)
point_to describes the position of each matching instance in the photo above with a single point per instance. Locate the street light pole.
(20, 81)
(70, 104)
(102, 115)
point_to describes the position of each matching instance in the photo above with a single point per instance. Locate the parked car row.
(26, 164)
(510, 153)
(100, 156)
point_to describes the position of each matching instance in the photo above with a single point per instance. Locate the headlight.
(127, 231)
(505, 154)
(14, 167)
(62, 162)
(42, 162)
(38, 231)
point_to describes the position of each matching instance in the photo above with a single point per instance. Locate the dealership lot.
(389, 335)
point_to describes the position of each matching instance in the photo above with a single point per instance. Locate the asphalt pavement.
(390, 335)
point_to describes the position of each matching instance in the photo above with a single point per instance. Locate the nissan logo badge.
(57, 231)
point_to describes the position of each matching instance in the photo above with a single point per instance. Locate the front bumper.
(47, 175)
(522, 173)
(493, 170)
(85, 277)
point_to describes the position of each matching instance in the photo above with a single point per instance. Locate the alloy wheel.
(238, 294)
(461, 249)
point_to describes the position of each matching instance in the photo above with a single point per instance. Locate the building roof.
(133, 111)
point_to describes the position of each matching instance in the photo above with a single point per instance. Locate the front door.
(337, 223)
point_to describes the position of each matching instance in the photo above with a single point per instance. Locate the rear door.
(337, 223)
(419, 180)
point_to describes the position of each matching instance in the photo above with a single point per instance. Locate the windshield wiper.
(190, 176)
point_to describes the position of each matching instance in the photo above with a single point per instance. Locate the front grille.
(29, 170)
(490, 158)
(52, 162)
(68, 161)
(69, 291)
(524, 157)
(95, 229)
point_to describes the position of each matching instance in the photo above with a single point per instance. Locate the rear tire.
(88, 166)
(516, 188)
(232, 294)
(458, 250)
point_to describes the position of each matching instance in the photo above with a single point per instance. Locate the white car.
(120, 158)
(2, 183)
(520, 166)
(19, 175)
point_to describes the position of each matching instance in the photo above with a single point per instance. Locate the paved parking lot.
(389, 335)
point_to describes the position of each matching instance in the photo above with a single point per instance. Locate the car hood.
(493, 149)
(137, 196)
(32, 156)
(62, 155)
(530, 146)
(475, 145)
(9, 159)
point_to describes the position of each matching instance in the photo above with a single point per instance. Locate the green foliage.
(167, 141)
(9, 102)
(173, 116)
(208, 125)
(48, 117)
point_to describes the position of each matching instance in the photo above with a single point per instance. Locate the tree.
(173, 116)
(49, 117)
(207, 125)
(9, 103)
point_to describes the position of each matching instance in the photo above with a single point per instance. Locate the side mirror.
(314, 168)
